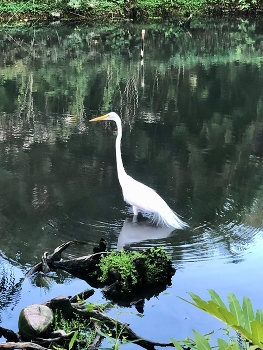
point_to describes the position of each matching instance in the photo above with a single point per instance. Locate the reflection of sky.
(168, 316)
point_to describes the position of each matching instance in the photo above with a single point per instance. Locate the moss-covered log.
(123, 274)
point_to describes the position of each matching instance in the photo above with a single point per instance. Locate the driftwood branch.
(47, 259)
(21, 345)
(69, 308)
(9, 335)
(82, 296)
(55, 336)
(82, 264)
(98, 339)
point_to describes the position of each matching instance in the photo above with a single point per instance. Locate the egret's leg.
(135, 214)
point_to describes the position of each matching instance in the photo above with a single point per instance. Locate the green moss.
(121, 261)
(134, 268)
(156, 262)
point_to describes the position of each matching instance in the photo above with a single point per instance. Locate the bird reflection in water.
(142, 230)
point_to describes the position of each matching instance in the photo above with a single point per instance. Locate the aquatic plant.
(135, 268)
(241, 318)
(84, 333)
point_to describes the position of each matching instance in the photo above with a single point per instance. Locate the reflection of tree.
(9, 288)
(27, 101)
(196, 122)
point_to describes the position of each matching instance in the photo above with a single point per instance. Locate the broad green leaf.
(222, 344)
(248, 313)
(235, 309)
(234, 346)
(259, 315)
(200, 303)
(187, 301)
(72, 340)
(214, 310)
(195, 297)
(201, 342)
(243, 332)
(220, 312)
(257, 333)
(176, 344)
(216, 298)
(230, 319)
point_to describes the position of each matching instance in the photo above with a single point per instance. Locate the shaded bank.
(134, 10)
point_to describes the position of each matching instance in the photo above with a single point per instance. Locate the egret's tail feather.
(170, 219)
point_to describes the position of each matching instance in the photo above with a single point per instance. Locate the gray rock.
(34, 320)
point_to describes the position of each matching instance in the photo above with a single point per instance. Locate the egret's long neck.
(120, 168)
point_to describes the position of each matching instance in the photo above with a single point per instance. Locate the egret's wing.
(141, 196)
(146, 199)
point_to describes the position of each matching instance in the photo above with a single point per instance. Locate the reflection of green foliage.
(192, 123)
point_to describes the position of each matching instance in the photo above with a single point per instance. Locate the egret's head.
(110, 116)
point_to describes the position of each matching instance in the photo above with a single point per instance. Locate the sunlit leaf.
(213, 309)
(236, 309)
(199, 302)
(248, 313)
(234, 346)
(72, 340)
(176, 344)
(216, 298)
(259, 315)
(222, 344)
(229, 318)
(247, 335)
(191, 303)
(257, 333)
(201, 342)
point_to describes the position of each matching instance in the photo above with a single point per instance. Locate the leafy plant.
(122, 261)
(115, 335)
(156, 260)
(241, 318)
(83, 334)
(153, 264)
(201, 343)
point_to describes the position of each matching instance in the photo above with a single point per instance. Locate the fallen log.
(151, 269)
(70, 310)
(151, 272)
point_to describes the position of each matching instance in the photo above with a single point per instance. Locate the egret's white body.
(138, 195)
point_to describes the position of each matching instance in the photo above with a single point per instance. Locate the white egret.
(138, 195)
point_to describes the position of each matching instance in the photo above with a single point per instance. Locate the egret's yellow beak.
(99, 118)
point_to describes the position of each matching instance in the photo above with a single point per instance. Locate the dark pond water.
(192, 114)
